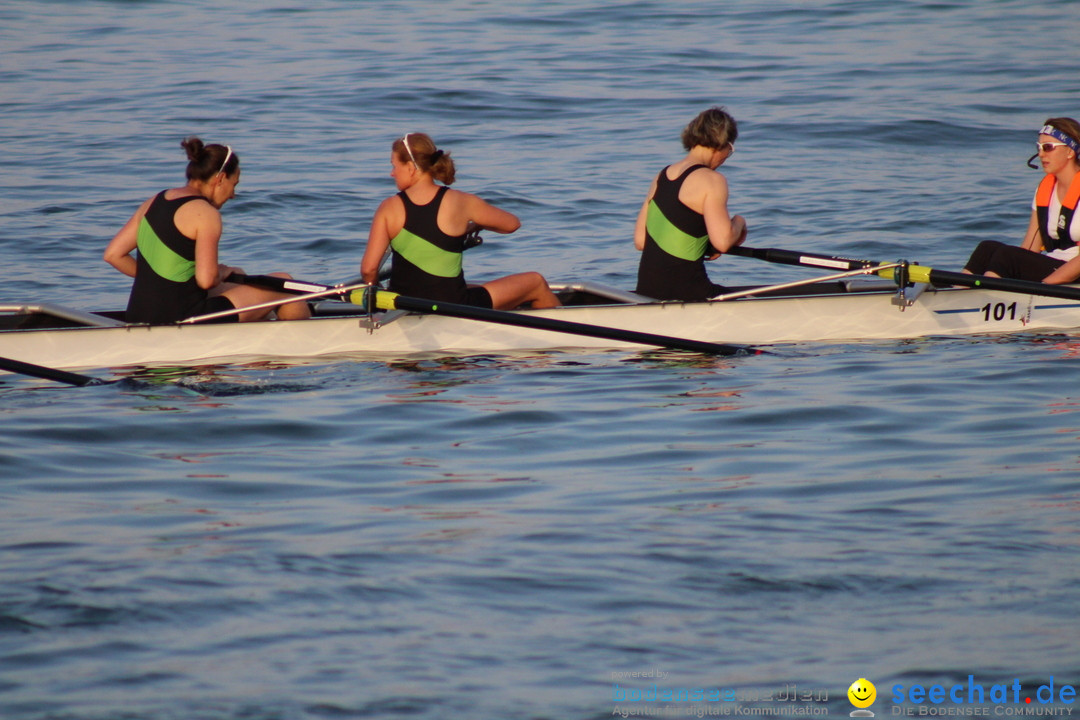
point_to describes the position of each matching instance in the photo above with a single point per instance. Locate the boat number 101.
(998, 311)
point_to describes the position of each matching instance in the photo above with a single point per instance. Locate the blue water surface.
(514, 536)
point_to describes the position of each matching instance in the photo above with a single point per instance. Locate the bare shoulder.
(460, 197)
(389, 217)
(202, 205)
(466, 203)
(198, 210)
(652, 188)
(198, 219)
(141, 211)
(710, 177)
(704, 180)
(390, 204)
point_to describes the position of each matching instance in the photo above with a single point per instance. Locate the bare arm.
(379, 238)
(202, 221)
(208, 271)
(488, 217)
(725, 231)
(643, 219)
(1032, 239)
(118, 251)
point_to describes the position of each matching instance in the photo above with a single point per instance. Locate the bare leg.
(244, 295)
(511, 291)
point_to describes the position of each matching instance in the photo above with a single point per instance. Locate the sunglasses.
(1047, 146)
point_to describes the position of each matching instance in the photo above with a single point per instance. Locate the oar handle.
(283, 285)
(790, 257)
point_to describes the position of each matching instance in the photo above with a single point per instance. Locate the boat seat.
(590, 293)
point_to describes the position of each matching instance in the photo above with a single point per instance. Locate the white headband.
(409, 149)
(228, 154)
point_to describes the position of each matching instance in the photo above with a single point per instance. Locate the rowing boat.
(852, 309)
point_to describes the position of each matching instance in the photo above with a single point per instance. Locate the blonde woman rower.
(425, 226)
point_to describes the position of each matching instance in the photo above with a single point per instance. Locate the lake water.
(530, 535)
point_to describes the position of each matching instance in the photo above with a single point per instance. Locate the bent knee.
(536, 278)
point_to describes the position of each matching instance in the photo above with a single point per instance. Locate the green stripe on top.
(671, 239)
(162, 259)
(426, 256)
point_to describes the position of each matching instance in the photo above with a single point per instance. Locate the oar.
(790, 257)
(47, 373)
(915, 273)
(385, 300)
(918, 273)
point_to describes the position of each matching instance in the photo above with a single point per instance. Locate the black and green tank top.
(165, 289)
(427, 261)
(672, 263)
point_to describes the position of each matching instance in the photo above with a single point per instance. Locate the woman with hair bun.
(425, 225)
(176, 233)
(1050, 252)
(685, 218)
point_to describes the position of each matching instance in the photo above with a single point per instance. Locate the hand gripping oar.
(914, 273)
(47, 373)
(385, 300)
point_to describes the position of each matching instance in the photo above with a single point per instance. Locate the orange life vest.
(1064, 221)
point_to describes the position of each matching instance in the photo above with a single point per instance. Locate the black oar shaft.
(391, 301)
(388, 300)
(1024, 287)
(47, 373)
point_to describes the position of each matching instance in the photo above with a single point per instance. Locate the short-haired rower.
(685, 218)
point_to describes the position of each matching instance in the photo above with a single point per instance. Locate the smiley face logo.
(862, 693)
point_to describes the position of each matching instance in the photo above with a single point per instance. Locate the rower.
(426, 226)
(684, 219)
(1050, 252)
(176, 233)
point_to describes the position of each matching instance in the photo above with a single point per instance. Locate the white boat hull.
(748, 321)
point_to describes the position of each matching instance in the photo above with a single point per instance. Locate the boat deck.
(44, 316)
(853, 309)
